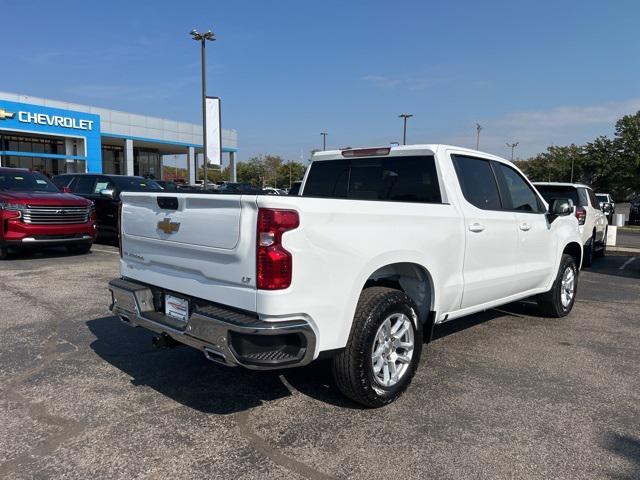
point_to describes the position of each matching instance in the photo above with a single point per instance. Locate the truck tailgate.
(202, 245)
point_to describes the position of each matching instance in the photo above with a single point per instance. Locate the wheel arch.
(414, 279)
(575, 250)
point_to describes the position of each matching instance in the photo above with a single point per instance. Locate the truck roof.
(562, 184)
(404, 150)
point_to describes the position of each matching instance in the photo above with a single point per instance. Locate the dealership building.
(57, 137)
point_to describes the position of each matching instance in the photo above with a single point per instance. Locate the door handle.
(525, 227)
(476, 227)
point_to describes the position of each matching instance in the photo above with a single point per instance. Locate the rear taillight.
(274, 263)
(581, 215)
(120, 228)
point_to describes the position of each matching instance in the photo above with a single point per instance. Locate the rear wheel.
(383, 350)
(603, 250)
(588, 252)
(79, 249)
(559, 301)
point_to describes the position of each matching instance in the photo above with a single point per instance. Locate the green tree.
(554, 165)
(605, 164)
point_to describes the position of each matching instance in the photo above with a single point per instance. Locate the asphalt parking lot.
(503, 394)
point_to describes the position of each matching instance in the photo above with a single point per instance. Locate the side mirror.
(561, 207)
(109, 193)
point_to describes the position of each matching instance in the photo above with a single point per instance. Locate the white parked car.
(607, 205)
(380, 245)
(593, 222)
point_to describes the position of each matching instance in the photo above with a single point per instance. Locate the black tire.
(79, 249)
(550, 303)
(4, 253)
(588, 252)
(353, 367)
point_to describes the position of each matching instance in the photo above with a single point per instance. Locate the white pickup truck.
(380, 245)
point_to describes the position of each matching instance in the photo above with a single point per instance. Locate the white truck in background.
(380, 245)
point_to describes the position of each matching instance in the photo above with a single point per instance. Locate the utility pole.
(404, 117)
(202, 38)
(324, 140)
(512, 146)
(478, 128)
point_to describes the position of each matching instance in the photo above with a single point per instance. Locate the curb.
(623, 249)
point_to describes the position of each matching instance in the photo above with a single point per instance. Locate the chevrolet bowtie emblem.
(4, 114)
(168, 227)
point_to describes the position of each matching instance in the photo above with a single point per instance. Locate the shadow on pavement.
(628, 448)
(183, 374)
(612, 265)
(24, 253)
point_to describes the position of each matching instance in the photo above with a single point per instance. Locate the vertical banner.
(214, 132)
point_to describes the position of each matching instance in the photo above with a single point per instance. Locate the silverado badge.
(168, 227)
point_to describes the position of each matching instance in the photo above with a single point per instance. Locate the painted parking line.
(93, 249)
(625, 264)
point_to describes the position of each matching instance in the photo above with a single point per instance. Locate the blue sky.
(538, 72)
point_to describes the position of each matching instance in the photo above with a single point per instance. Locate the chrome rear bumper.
(224, 335)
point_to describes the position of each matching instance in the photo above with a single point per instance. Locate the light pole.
(324, 140)
(478, 128)
(512, 146)
(404, 117)
(202, 38)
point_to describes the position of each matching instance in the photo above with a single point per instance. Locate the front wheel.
(383, 350)
(4, 253)
(559, 301)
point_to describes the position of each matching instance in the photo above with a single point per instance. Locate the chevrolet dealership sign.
(4, 114)
(55, 120)
(43, 120)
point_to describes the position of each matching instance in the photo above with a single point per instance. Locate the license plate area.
(177, 308)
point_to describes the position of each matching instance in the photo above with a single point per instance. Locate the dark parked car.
(238, 188)
(634, 210)
(295, 188)
(168, 185)
(105, 191)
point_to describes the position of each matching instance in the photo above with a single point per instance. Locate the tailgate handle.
(168, 203)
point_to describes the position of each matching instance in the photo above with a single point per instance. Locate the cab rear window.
(553, 192)
(393, 179)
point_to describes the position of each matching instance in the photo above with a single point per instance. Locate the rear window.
(133, 184)
(394, 179)
(553, 192)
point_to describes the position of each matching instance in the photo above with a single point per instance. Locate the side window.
(84, 184)
(516, 192)
(583, 197)
(327, 179)
(478, 182)
(592, 199)
(102, 183)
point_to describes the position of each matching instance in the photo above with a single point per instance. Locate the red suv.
(34, 213)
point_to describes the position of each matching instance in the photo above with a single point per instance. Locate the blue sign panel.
(25, 117)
